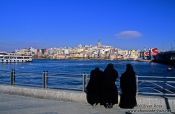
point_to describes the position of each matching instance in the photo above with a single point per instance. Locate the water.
(81, 66)
(68, 73)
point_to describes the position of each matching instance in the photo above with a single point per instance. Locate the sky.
(125, 24)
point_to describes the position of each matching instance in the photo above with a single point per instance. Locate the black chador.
(128, 88)
(109, 91)
(93, 88)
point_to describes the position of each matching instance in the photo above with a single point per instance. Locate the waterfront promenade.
(20, 100)
(15, 104)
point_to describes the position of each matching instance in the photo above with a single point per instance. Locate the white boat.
(14, 58)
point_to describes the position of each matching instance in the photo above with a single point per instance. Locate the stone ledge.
(58, 94)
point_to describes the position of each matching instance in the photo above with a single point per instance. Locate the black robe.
(93, 89)
(109, 91)
(128, 90)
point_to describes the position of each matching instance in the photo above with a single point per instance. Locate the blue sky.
(126, 24)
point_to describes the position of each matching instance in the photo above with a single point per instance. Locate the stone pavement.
(16, 104)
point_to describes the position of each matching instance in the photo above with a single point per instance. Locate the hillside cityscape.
(98, 51)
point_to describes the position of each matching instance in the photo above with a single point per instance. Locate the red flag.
(154, 51)
(146, 53)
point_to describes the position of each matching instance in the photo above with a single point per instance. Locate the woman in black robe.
(109, 88)
(93, 89)
(128, 88)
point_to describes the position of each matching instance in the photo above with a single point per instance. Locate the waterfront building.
(122, 54)
(25, 51)
(133, 54)
(59, 56)
(42, 53)
(98, 51)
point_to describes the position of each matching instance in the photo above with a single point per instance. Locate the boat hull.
(13, 58)
(165, 57)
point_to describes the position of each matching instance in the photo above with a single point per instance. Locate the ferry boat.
(14, 58)
(167, 57)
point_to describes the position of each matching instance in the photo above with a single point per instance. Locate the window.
(19, 57)
(26, 57)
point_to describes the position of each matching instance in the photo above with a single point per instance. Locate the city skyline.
(125, 24)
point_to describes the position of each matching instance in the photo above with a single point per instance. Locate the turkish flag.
(146, 53)
(154, 51)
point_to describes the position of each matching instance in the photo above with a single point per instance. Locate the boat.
(170, 68)
(167, 57)
(14, 58)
